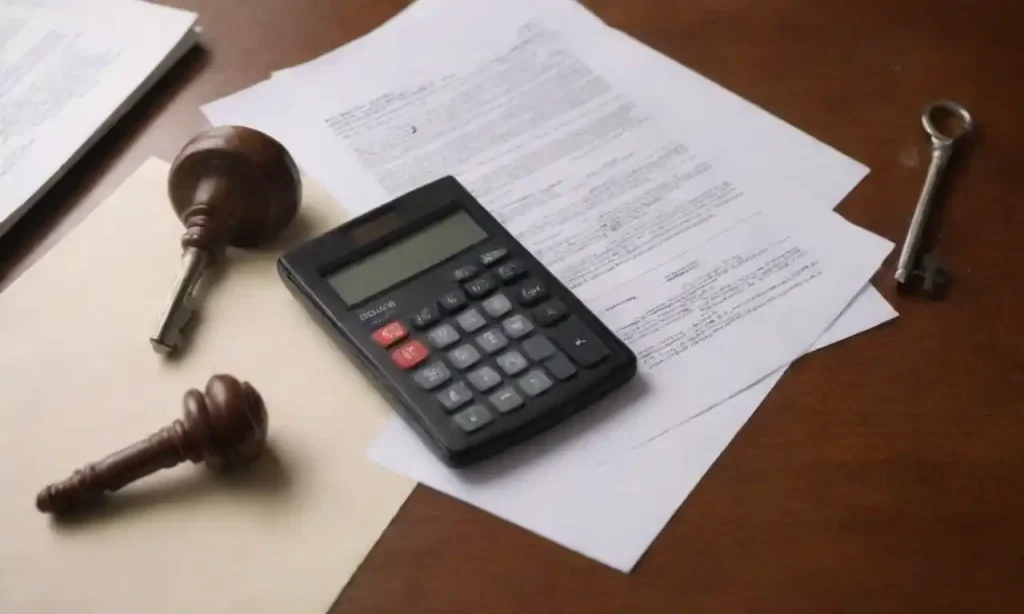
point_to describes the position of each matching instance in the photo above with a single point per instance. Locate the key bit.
(229, 186)
(181, 308)
(933, 273)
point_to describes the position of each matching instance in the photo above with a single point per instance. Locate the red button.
(389, 334)
(410, 354)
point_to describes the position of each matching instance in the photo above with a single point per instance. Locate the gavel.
(229, 186)
(224, 427)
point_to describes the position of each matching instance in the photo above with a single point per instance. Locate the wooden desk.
(882, 475)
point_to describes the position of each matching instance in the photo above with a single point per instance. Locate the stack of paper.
(697, 226)
(68, 70)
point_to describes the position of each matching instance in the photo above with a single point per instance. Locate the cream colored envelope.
(79, 380)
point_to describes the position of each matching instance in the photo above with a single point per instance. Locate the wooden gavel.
(224, 427)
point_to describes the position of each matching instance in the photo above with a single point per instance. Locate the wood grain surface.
(883, 474)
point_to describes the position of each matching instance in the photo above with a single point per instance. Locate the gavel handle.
(161, 450)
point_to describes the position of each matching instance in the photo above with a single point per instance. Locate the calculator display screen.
(406, 257)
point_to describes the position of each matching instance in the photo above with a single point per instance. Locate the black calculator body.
(475, 343)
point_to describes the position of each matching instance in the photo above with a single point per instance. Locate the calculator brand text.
(376, 311)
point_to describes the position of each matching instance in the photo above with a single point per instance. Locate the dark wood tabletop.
(884, 474)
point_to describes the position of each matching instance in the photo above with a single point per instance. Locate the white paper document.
(758, 140)
(68, 71)
(712, 261)
(661, 84)
(713, 279)
(613, 512)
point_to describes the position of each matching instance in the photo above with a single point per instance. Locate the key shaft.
(941, 151)
(169, 334)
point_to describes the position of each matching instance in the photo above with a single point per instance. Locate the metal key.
(180, 307)
(942, 148)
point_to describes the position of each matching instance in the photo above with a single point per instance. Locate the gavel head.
(232, 185)
(226, 425)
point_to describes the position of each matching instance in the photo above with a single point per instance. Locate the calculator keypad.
(481, 286)
(473, 418)
(532, 292)
(409, 355)
(463, 273)
(502, 346)
(432, 375)
(442, 336)
(517, 326)
(492, 341)
(464, 356)
(550, 312)
(497, 306)
(511, 271)
(454, 397)
(512, 362)
(484, 378)
(425, 317)
(390, 334)
(538, 348)
(535, 383)
(493, 257)
(506, 400)
(471, 320)
(579, 342)
(560, 367)
(453, 301)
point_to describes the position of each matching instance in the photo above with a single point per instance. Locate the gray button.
(471, 320)
(538, 348)
(484, 378)
(454, 397)
(579, 342)
(473, 418)
(443, 336)
(497, 306)
(535, 382)
(491, 341)
(506, 399)
(560, 367)
(517, 326)
(432, 375)
(463, 356)
(512, 362)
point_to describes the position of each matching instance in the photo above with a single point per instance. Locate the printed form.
(619, 505)
(713, 284)
(67, 73)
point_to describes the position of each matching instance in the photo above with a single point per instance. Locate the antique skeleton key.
(942, 149)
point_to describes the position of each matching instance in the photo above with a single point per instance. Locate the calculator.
(476, 344)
